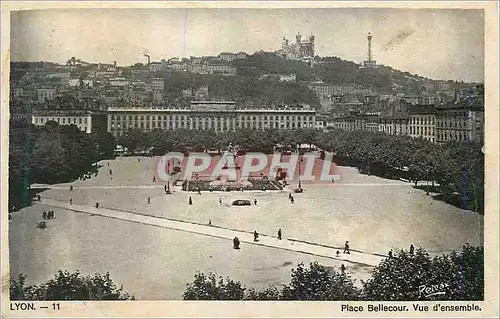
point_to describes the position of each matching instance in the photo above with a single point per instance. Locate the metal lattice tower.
(369, 46)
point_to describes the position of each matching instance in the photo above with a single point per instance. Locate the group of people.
(48, 215)
(256, 235)
(348, 251)
(411, 250)
(86, 176)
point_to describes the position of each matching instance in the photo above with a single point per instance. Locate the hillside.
(335, 71)
(257, 81)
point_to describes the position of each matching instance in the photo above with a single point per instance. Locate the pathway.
(289, 244)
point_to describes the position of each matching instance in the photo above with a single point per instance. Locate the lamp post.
(168, 180)
(300, 163)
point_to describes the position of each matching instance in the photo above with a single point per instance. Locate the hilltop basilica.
(302, 48)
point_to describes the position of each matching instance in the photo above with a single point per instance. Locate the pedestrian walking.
(346, 248)
(199, 191)
(44, 215)
(108, 164)
(236, 243)
(71, 188)
(149, 200)
(412, 249)
(96, 204)
(220, 201)
(51, 214)
(209, 222)
(390, 253)
(255, 236)
(290, 196)
(165, 188)
(110, 172)
(71, 201)
(279, 234)
(154, 179)
(255, 201)
(190, 201)
(342, 268)
(292, 200)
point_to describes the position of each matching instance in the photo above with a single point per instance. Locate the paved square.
(374, 214)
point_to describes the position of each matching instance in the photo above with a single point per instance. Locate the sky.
(439, 44)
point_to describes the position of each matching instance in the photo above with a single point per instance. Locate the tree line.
(51, 154)
(68, 286)
(455, 170)
(406, 276)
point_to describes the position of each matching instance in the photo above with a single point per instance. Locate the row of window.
(184, 117)
(422, 120)
(393, 129)
(456, 123)
(202, 125)
(421, 131)
(61, 120)
(206, 122)
(452, 136)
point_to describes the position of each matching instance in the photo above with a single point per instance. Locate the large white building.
(83, 120)
(422, 122)
(211, 115)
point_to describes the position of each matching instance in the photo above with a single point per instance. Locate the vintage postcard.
(249, 159)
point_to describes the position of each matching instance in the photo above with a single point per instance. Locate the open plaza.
(153, 243)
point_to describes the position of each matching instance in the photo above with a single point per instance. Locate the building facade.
(230, 57)
(422, 122)
(326, 90)
(210, 115)
(394, 125)
(463, 121)
(45, 94)
(356, 122)
(83, 120)
(322, 90)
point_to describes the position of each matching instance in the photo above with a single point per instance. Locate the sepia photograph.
(217, 153)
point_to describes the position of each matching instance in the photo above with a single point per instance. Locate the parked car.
(242, 202)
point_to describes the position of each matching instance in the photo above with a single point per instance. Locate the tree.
(315, 283)
(212, 288)
(48, 159)
(319, 283)
(105, 143)
(270, 293)
(69, 286)
(404, 277)
(132, 139)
